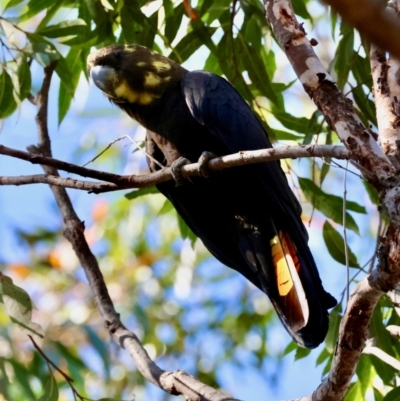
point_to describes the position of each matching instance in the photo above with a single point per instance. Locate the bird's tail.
(296, 291)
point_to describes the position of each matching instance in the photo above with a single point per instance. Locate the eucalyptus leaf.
(335, 244)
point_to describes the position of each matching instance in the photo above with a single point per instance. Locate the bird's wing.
(297, 291)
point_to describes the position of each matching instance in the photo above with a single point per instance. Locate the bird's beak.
(102, 76)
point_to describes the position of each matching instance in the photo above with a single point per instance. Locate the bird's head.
(132, 73)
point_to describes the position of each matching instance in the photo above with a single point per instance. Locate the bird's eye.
(117, 55)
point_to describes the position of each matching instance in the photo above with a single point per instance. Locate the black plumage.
(247, 217)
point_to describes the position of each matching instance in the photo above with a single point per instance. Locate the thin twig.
(133, 141)
(67, 378)
(190, 170)
(346, 250)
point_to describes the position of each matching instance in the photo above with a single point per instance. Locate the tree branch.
(117, 182)
(173, 382)
(376, 167)
(372, 20)
(336, 108)
(386, 89)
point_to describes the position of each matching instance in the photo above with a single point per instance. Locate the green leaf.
(18, 306)
(330, 205)
(323, 356)
(289, 348)
(50, 390)
(284, 135)
(34, 7)
(378, 395)
(173, 22)
(188, 45)
(166, 207)
(297, 124)
(64, 28)
(22, 376)
(301, 353)
(372, 192)
(185, 231)
(24, 78)
(345, 55)
(313, 127)
(7, 101)
(393, 395)
(300, 9)
(335, 244)
(12, 3)
(364, 373)
(101, 348)
(362, 70)
(67, 88)
(254, 65)
(325, 169)
(334, 324)
(50, 12)
(354, 393)
(366, 106)
(141, 191)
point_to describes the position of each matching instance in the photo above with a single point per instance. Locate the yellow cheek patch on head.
(141, 64)
(152, 80)
(124, 91)
(161, 65)
(146, 98)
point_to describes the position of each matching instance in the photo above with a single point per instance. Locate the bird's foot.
(176, 170)
(203, 163)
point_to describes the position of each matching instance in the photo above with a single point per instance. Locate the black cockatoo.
(247, 217)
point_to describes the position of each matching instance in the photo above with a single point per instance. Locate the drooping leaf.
(50, 390)
(18, 306)
(297, 124)
(333, 331)
(166, 207)
(393, 395)
(300, 9)
(366, 106)
(185, 231)
(301, 353)
(254, 66)
(33, 8)
(64, 28)
(7, 101)
(101, 348)
(345, 55)
(173, 22)
(67, 88)
(141, 191)
(24, 78)
(354, 393)
(335, 244)
(378, 395)
(364, 373)
(330, 205)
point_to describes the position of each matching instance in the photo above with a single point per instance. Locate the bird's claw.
(203, 163)
(176, 170)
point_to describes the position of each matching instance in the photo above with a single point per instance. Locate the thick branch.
(116, 182)
(386, 88)
(372, 20)
(337, 109)
(341, 116)
(353, 332)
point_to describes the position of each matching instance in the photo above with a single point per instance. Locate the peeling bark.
(337, 109)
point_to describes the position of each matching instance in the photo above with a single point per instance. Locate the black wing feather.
(265, 197)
